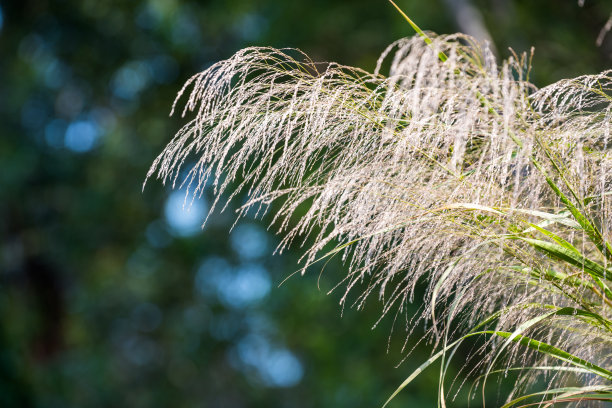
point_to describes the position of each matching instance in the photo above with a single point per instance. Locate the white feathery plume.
(441, 172)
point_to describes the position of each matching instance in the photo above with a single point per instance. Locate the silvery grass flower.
(452, 170)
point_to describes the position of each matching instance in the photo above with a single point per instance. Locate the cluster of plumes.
(399, 174)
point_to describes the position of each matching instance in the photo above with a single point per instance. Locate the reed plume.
(453, 171)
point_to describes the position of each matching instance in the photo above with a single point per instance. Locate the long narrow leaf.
(569, 256)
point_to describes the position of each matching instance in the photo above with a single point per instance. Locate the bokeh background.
(111, 296)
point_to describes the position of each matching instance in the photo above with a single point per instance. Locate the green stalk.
(418, 30)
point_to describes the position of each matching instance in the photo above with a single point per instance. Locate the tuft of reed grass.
(453, 170)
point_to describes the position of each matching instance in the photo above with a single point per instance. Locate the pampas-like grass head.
(458, 173)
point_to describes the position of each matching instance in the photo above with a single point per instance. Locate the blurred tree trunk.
(470, 21)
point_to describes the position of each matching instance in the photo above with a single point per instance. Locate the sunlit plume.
(419, 176)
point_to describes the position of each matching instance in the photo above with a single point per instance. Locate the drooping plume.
(447, 172)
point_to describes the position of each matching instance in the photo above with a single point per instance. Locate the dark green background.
(104, 302)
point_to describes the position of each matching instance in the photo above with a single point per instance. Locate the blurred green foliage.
(108, 295)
